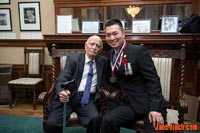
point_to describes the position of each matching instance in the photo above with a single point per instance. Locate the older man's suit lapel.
(99, 69)
(81, 63)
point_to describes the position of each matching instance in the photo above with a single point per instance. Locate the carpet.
(21, 124)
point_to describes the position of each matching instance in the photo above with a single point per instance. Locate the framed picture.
(64, 23)
(29, 15)
(169, 24)
(123, 21)
(141, 26)
(90, 27)
(5, 19)
(4, 1)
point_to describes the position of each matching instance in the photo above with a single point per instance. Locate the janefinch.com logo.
(176, 127)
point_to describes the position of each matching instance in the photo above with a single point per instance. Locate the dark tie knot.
(90, 63)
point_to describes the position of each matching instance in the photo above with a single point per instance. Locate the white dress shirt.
(85, 74)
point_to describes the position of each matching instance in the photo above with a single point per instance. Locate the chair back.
(171, 80)
(63, 60)
(163, 67)
(59, 58)
(171, 77)
(34, 62)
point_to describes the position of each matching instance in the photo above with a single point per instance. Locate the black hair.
(114, 22)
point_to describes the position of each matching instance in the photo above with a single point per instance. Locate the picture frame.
(90, 27)
(169, 24)
(75, 24)
(5, 19)
(123, 21)
(64, 24)
(4, 1)
(141, 26)
(29, 16)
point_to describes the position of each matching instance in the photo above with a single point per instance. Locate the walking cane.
(65, 86)
(64, 117)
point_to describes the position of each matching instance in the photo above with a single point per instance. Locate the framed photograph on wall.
(5, 19)
(141, 26)
(169, 24)
(90, 27)
(4, 1)
(29, 15)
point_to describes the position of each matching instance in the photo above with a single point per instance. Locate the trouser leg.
(120, 116)
(89, 117)
(55, 119)
(94, 125)
(54, 129)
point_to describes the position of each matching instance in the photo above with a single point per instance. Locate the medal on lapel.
(124, 62)
(130, 72)
(113, 78)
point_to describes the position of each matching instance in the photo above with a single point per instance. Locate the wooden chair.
(33, 75)
(59, 57)
(172, 82)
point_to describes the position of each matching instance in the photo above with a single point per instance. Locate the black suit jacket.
(74, 70)
(142, 88)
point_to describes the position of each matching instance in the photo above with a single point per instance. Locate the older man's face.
(93, 47)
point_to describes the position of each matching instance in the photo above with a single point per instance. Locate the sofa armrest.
(116, 96)
(42, 96)
(45, 96)
(182, 109)
(182, 106)
(105, 94)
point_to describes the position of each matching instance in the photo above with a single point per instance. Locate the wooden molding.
(22, 43)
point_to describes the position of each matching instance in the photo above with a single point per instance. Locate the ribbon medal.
(117, 61)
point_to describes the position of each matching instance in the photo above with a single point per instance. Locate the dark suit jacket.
(142, 88)
(74, 70)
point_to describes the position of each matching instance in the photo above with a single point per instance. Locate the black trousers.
(88, 116)
(123, 116)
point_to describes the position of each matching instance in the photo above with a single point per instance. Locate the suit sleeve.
(152, 80)
(104, 73)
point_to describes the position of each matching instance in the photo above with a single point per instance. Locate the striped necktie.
(86, 94)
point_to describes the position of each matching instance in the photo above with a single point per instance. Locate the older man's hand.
(64, 96)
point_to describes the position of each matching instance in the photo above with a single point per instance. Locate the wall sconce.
(133, 10)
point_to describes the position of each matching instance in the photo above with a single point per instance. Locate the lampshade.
(133, 10)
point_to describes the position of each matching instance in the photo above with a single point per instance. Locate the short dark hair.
(113, 22)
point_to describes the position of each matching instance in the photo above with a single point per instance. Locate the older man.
(83, 67)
